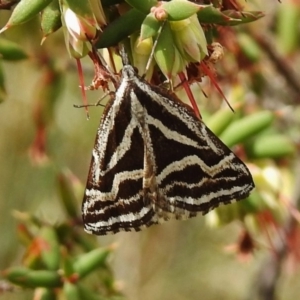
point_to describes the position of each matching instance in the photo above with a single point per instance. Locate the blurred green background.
(177, 260)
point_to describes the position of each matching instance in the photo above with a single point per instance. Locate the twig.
(280, 63)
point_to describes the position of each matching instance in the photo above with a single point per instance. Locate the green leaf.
(212, 15)
(66, 189)
(180, 10)
(227, 17)
(240, 130)
(143, 6)
(249, 46)
(50, 251)
(88, 262)
(271, 146)
(24, 11)
(119, 29)
(149, 27)
(81, 8)
(11, 51)
(29, 278)
(71, 291)
(287, 27)
(45, 294)
(241, 17)
(51, 18)
(107, 3)
(2, 85)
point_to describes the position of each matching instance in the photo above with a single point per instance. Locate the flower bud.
(189, 39)
(81, 21)
(141, 50)
(78, 27)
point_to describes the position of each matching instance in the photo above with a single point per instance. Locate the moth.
(154, 160)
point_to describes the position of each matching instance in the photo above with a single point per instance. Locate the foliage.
(60, 260)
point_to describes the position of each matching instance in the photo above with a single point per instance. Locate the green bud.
(199, 36)
(140, 53)
(167, 55)
(180, 43)
(190, 39)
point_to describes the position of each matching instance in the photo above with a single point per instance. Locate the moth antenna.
(124, 56)
(87, 105)
(98, 103)
(153, 48)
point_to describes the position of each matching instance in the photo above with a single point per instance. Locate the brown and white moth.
(154, 160)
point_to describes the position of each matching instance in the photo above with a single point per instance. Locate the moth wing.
(113, 199)
(194, 170)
